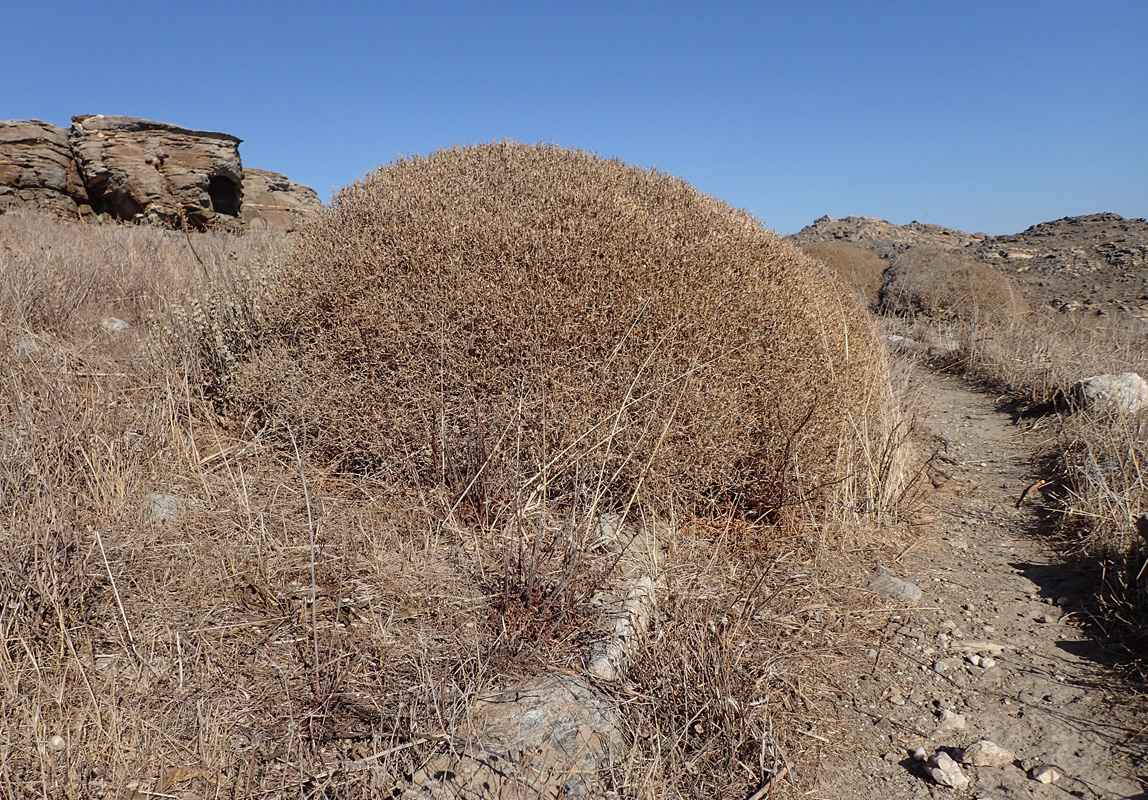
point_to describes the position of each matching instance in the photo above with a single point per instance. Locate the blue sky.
(982, 116)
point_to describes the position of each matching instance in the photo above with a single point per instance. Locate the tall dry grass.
(303, 632)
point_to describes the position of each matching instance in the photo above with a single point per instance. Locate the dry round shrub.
(507, 317)
(854, 265)
(948, 285)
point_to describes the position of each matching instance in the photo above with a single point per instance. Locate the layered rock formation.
(273, 200)
(37, 169)
(140, 170)
(136, 170)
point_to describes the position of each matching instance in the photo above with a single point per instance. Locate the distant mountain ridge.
(1097, 262)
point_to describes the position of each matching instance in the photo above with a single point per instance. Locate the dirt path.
(994, 648)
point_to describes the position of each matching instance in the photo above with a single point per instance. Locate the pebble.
(951, 720)
(973, 659)
(1045, 774)
(920, 754)
(988, 662)
(947, 772)
(57, 743)
(114, 325)
(985, 753)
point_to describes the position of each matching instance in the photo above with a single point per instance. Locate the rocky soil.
(1096, 263)
(996, 648)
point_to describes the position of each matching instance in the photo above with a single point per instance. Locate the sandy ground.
(990, 588)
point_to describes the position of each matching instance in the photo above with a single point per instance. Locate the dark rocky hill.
(1096, 263)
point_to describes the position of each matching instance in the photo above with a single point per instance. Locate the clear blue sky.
(982, 116)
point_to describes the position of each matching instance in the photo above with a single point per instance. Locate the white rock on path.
(882, 581)
(947, 772)
(986, 754)
(1125, 393)
(1045, 774)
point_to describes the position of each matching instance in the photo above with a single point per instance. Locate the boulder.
(274, 201)
(546, 737)
(139, 170)
(37, 169)
(1125, 394)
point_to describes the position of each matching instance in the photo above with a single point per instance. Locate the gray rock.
(114, 325)
(1125, 394)
(160, 508)
(986, 754)
(543, 738)
(951, 721)
(885, 583)
(947, 772)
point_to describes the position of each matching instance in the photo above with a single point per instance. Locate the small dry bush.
(855, 266)
(947, 285)
(507, 319)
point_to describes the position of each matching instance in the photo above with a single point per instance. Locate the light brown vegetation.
(854, 265)
(945, 284)
(507, 319)
(296, 631)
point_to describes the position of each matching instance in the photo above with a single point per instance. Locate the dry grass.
(302, 632)
(946, 285)
(854, 265)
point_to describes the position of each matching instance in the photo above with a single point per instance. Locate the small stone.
(114, 325)
(883, 582)
(947, 772)
(988, 662)
(56, 743)
(896, 699)
(160, 508)
(974, 659)
(951, 721)
(920, 754)
(985, 754)
(1045, 774)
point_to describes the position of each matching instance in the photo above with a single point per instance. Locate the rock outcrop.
(883, 238)
(272, 200)
(1095, 263)
(37, 169)
(137, 170)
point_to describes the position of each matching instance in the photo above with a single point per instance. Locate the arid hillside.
(1096, 263)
